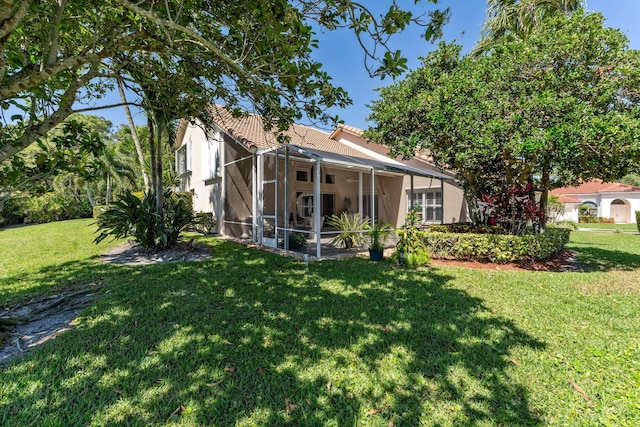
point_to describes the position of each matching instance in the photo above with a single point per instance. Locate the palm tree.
(116, 170)
(519, 17)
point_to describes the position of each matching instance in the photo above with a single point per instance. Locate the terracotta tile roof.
(249, 130)
(595, 186)
(568, 199)
(342, 127)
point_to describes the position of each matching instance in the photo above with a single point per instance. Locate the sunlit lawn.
(627, 228)
(251, 338)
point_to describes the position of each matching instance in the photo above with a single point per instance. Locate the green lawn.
(251, 338)
(41, 259)
(627, 228)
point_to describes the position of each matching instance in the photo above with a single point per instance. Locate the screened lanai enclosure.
(299, 188)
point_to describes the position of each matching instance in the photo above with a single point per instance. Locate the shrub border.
(498, 248)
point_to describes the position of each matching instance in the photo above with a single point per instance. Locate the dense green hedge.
(585, 219)
(53, 206)
(498, 248)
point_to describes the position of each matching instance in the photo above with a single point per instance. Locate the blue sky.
(342, 57)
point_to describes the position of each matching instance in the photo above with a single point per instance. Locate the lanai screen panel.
(238, 191)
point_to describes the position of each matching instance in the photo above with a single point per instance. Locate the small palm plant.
(378, 234)
(351, 227)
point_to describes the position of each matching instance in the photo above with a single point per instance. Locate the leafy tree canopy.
(555, 108)
(257, 53)
(73, 146)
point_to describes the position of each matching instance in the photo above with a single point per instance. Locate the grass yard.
(251, 338)
(627, 228)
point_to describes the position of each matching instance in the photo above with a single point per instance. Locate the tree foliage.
(520, 17)
(61, 56)
(72, 147)
(555, 108)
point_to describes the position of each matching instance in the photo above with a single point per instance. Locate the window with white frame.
(428, 202)
(211, 159)
(183, 161)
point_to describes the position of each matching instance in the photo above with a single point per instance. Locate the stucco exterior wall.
(205, 185)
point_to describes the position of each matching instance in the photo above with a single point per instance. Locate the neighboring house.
(607, 200)
(301, 183)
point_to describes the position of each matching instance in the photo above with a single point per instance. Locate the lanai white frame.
(318, 157)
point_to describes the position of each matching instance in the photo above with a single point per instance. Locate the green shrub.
(378, 235)
(204, 222)
(467, 227)
(350, 227)
(417, 259)
(410, 247)
(586, 219)
(638, 220)
(565, 223)
(55, 206)
(297, 241)
(12, 212)
(132, 217)
(498, 248)
(185, 196)
(98, 210)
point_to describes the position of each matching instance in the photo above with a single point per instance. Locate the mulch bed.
(564, 260)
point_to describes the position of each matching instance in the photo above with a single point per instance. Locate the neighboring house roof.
(249, 130)
(567, 199)
(595, 186)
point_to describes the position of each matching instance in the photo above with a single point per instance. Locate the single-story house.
(261, 189)
(602, 199)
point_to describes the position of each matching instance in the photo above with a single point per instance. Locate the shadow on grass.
(603, 257)
(251, 338)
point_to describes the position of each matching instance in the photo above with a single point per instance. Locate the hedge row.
(585, 219)
(499, 248)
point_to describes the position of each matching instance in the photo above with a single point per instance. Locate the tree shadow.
(599, 258)
(252, 338)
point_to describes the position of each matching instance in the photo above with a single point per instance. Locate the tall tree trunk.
(544, 197)
(107, 198)
(134, 135)
(152, 151)
(90, 197)
(158, 166)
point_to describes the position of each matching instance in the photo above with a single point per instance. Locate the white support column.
(254, 198)
(220, 211)
(360, 195)
(411, 198)
(442, 201)
(277, 199)
(260, 193)
(316, 208)
(286, 196)
(373, 198)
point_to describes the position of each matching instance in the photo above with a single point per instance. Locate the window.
(211, 161)
(589, 209)
(428, 203)
(302, 176)
(305, 205)
(329, 179)
(183, 163)
(366, 207)
(328, 204)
